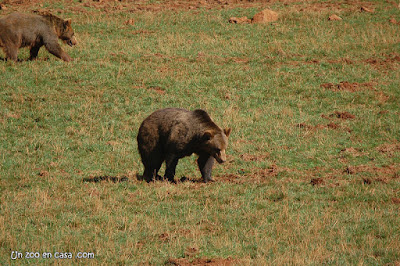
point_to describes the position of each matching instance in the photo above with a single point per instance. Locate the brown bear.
(35, 30)
(170, 134)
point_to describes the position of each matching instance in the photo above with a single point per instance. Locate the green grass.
(63, 122)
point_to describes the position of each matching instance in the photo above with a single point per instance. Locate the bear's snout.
(72, 41)
(220, 156)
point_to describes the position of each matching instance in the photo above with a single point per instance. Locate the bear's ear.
(207, 135)
(67, 22)
(227, 131)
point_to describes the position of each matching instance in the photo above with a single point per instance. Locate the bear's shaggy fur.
(170, 134)
(35, 30)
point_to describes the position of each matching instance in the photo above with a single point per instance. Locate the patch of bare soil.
(254, 158)
(381, 174)
(157, 89)
(396, 201)
(241, 20)
(342, 115)
(107, 178)
(394, 21)
(330, 125)
(348, 86)
(388, 61)
(202, 261)
(316, 181)
(353, 151)
(257, 175)
(43, 173)
(389, 148)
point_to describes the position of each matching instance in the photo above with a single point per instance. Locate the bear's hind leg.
(148, 174)
(171, 161)
(34, 52)
(205, 164)
(152, 166)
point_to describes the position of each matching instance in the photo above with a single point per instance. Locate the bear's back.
(26, 24)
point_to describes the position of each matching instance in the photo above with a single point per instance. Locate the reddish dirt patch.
(396, 200)
(232, 178)
(353, 151)
(393, 21)
(164, 237)
(241, 20)
(383, 112)
(106, 178)
(254, 158)
(257, 175)
(342, 115)
(242, 60)
(202, 261)
(330, 125)
(367, 181)
(387, 61)
(389, 148)
(157, 89)
(317, 181)
(333, 125)
(268, 172)
(305, 126)
(348, 86)
(381, 174)
(43, 173)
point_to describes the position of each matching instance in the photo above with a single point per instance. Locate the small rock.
(265, 16)
(334, 18)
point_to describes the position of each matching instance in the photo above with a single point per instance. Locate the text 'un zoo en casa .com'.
(15, 255)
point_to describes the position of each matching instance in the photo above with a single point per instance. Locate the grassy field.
(313, 171)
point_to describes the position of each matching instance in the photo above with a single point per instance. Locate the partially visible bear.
(35, 30)
(170, 134)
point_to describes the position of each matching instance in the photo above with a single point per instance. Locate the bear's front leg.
(55, 49)
(171, 161)
(11, 52)
(206, 164)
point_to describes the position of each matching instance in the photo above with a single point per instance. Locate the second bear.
(35, 30)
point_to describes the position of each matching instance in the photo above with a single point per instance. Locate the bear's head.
(67, 33)
(216, 143)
